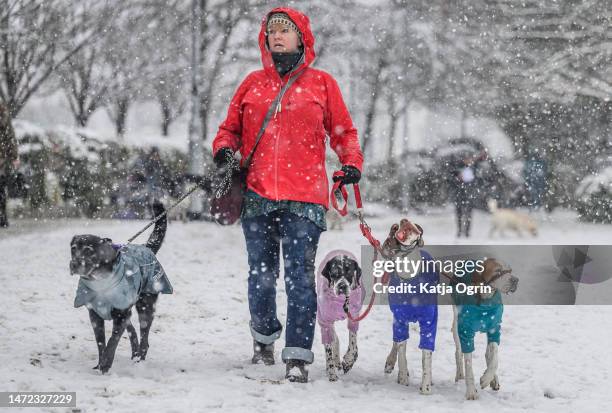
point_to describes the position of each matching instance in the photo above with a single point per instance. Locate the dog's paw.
(425, 388)
(142, 354)
(390, 362)
(471, 393)
(96, 367)
(348, 361)
(459, 375)
(403, 379)
(495, 383)
(346, 367)
(486, 379)
(332, 376)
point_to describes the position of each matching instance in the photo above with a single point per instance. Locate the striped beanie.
(282, 18)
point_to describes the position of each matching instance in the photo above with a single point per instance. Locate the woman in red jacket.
(287, 182)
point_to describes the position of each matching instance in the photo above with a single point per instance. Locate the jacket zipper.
(276, 147)
(278, 112)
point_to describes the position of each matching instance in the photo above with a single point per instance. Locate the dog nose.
(513, 284)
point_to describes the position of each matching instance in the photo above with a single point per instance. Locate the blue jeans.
(299, 238)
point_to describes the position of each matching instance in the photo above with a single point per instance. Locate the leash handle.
(339, 190)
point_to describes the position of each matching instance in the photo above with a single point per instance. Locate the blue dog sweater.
(474, 316)
(136, 271)
(420, 307)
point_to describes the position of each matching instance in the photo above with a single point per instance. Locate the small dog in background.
(339, 289)
(480, 313)
(507, 219)
(115, 278)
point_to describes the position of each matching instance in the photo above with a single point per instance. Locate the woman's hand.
(351, 175)
(223, 158)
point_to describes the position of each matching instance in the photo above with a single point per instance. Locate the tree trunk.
(392, 126)
(122, 107)
(372, 104)
(166, 116)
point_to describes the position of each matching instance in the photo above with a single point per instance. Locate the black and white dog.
(113, 279)
(339, 290)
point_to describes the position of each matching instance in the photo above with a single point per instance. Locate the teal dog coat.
(136, 271)
(476, 315)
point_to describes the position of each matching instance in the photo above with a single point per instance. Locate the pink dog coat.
(329, 305)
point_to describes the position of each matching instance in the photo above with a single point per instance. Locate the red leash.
(339, 190)
(383, 280)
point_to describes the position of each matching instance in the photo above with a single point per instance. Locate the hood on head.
(303, 23)
(333, 254)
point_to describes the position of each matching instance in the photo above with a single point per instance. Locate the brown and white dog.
(405, 241)
(482, 314)
(507, 219)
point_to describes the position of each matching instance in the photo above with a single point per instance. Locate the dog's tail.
(159, 231)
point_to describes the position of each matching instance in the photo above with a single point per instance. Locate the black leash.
(221, 189)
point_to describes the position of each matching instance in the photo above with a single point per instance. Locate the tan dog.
(503, 219)
(469, 319)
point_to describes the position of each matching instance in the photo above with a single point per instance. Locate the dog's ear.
(357, 277)
(107, 240)
(421, 242)
(326, 270)
(393, 230)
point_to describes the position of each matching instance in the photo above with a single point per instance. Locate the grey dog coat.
(135, 271)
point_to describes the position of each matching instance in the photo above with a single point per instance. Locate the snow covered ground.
(552, 358)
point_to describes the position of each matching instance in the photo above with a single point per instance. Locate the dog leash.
(384, 280)
(339, 191)
(219, 192)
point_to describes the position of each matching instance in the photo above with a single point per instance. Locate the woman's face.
(282, 38)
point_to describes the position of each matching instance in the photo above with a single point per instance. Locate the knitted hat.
(282, 18)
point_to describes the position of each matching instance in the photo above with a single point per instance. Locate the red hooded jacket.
(289, 163)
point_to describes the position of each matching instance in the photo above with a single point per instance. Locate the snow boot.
(296, 371)
(263, 352)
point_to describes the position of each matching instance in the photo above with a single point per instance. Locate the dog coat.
(135, 271)
(330, 306)
(419, 307)
(476, 315)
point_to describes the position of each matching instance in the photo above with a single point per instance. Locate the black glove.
(223, 157)
(351, 175)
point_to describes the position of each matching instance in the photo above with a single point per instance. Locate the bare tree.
(125, 58)
(28, 56)
(218, 24)
(83, 85)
